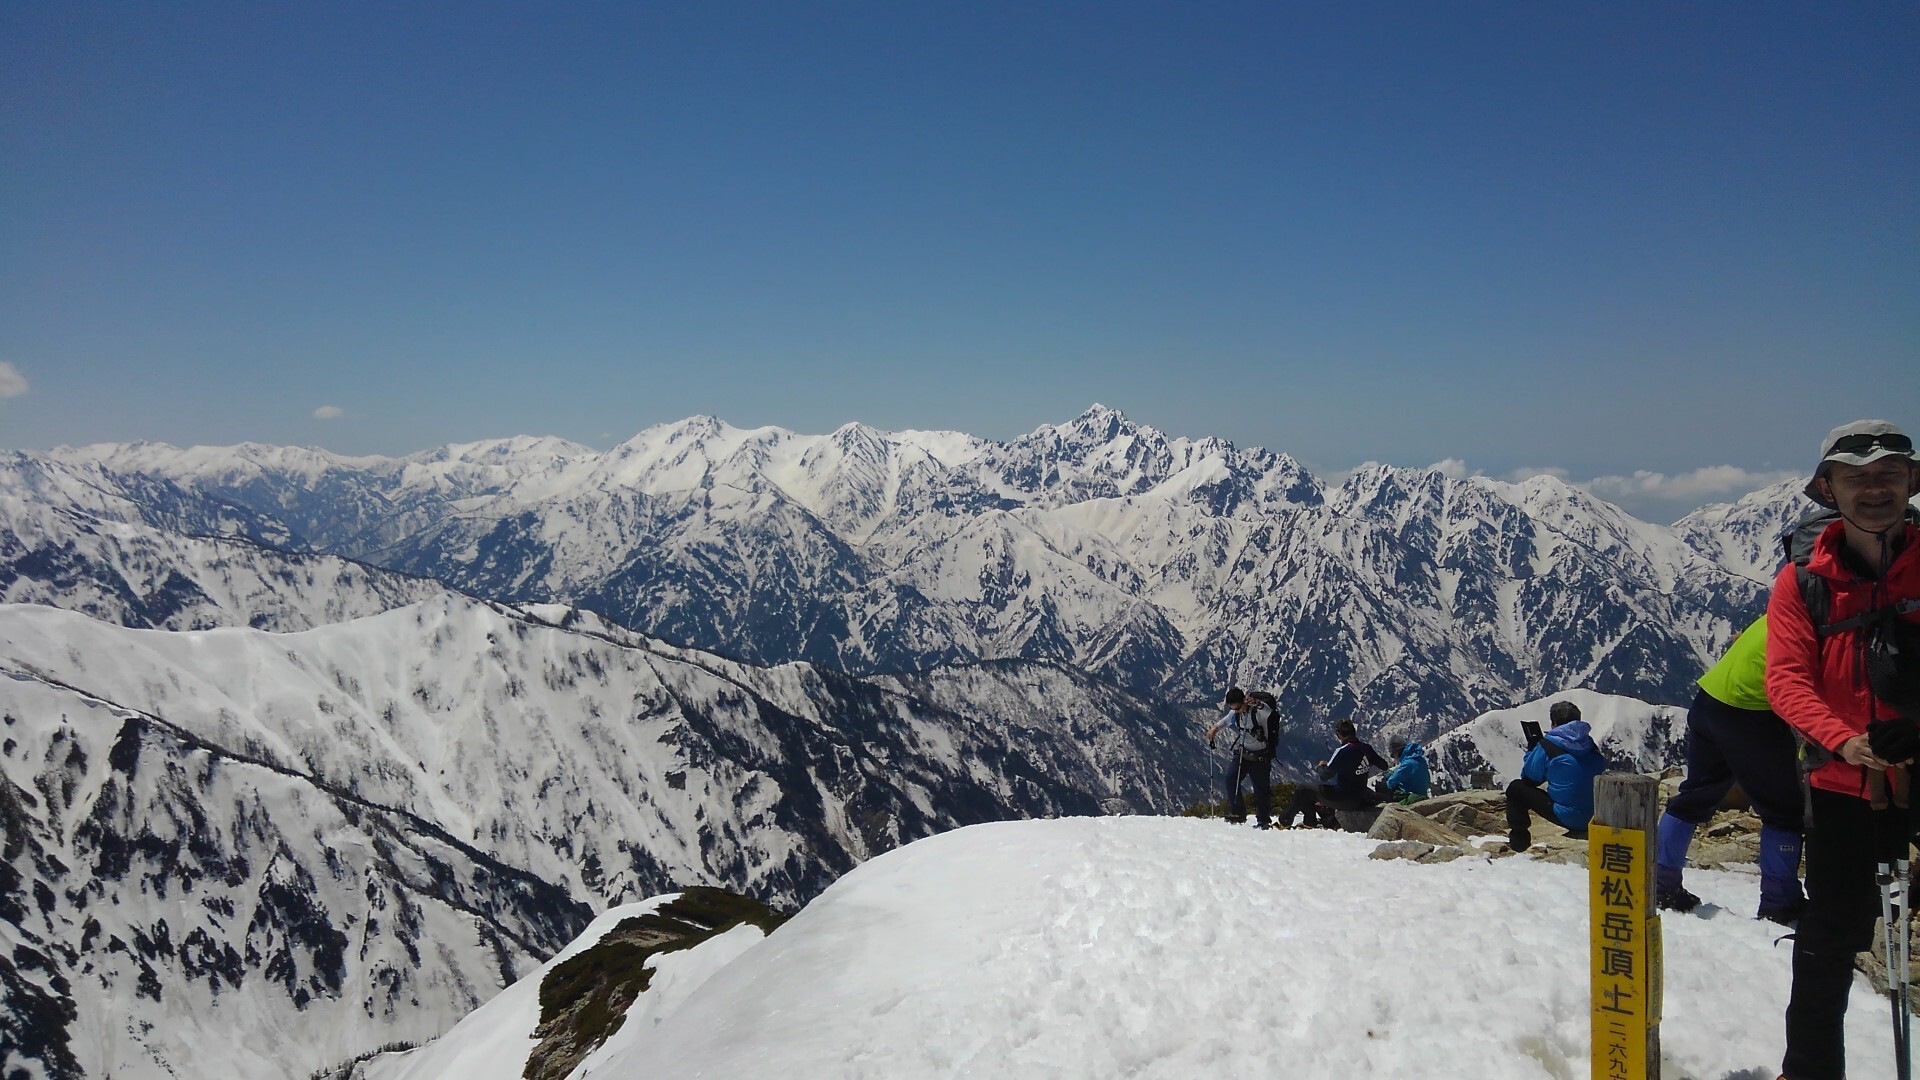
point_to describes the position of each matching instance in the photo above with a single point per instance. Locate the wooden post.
(1625, 928)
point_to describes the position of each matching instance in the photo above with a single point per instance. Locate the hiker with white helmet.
(1842, 637)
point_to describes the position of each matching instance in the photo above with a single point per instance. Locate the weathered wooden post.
(1625, 928)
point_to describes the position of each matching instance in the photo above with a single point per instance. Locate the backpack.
(1269, 731)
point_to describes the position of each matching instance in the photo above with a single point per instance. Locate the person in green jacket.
(1734, 736)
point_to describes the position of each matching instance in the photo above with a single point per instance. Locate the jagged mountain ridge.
(140, 576)
(1166, 565)
(367, 828)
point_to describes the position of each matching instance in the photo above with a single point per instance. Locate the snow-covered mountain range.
(327, 750)
(1169, 566)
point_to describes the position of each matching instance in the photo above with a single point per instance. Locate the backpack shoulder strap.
(1818, 597)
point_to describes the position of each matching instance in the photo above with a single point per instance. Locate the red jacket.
(1821, 688)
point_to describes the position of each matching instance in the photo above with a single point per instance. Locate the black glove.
(1894, 740)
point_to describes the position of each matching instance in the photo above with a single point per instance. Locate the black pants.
(1843, 900)
(1523, 797)
(1725, 745)
(1319, 801)
(1259, 769)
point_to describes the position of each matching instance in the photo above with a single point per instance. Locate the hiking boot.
(1520, 839)
(1677, 899)
(1784, 914)
(1241, 820)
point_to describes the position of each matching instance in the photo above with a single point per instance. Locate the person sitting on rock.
(1564, 760)
(1345, 785)
(1408, 781)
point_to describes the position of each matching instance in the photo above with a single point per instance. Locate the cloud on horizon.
(1710, 483)
(12, 383)
(1728, 481)
(329, 412)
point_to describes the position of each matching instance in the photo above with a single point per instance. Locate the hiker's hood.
(1412, 752)
(1573, 735)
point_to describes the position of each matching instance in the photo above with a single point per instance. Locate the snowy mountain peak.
(499, 451)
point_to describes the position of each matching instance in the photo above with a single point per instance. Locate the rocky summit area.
(1474, 822)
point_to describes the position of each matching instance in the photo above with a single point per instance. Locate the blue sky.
(1603, 239)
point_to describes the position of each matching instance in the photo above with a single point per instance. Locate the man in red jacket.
(1846, 680)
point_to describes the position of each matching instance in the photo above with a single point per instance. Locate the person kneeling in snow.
(1566, 761)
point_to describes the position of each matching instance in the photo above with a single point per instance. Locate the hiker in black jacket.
(1344, 786)
(1250, 724)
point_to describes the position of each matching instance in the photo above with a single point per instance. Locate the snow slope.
(491, 1042)
(1180, 948)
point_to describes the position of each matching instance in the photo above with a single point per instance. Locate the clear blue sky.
(1600, 238)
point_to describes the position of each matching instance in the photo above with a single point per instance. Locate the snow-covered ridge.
(1166, 949)
(137, 575)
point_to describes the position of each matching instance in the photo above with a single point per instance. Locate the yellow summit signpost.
(1624, 928)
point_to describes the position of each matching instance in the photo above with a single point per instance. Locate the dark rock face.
(584, 999)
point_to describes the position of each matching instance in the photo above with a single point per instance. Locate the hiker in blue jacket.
(1408, 781)
(1566, 761)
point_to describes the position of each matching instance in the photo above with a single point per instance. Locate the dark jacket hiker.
(1252, 725)
(1345, 785)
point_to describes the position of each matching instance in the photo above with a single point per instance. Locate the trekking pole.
(1901, 908)
(1891, 829)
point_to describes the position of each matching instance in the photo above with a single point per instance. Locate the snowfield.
(1178, 948)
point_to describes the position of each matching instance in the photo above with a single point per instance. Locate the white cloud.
(1452, 468)
(1528, 472)
(12, 383)
(1699, 484)
(329, 412)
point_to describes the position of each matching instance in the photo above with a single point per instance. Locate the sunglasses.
(1860, 444)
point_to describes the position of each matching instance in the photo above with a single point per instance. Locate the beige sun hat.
(1858, 443)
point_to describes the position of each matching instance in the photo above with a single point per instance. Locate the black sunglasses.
(1860, 444)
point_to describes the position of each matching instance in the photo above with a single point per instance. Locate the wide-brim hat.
(1830, 453)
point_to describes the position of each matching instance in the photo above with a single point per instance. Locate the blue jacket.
(1410, 776)
(1566, 760)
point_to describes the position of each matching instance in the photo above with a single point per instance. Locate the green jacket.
(1740, 678)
